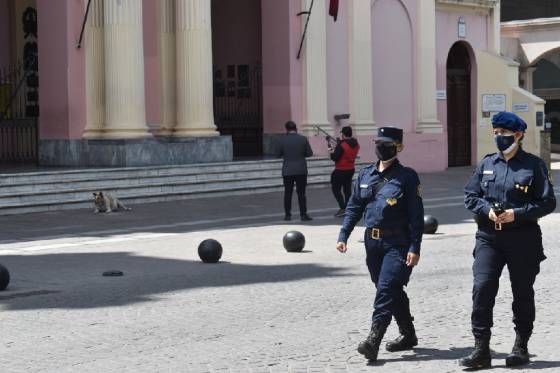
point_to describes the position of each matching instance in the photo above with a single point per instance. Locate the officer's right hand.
(492, 216)
(341, 246)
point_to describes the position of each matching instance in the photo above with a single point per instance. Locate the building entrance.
(237, 56)
(459, 106)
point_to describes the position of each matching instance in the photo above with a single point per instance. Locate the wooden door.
(459, 119)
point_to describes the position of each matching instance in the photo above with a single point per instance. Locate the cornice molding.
(487, 4)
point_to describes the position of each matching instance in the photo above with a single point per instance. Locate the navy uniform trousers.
(522, 251)
(388, 270)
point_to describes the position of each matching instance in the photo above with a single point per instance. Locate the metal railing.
(18, 120)
(238, 107)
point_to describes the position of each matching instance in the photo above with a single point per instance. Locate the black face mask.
(385, 152)
(504, 142)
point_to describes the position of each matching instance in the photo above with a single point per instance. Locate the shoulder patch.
(419, 191)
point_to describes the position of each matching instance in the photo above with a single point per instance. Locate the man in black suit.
(294, 148)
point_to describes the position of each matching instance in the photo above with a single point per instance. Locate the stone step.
(85, 201)
(96, 184)
(50, 191)
(130, 172)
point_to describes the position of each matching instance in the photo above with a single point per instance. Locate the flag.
(333, 9)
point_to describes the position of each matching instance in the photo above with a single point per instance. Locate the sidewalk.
(259, 310)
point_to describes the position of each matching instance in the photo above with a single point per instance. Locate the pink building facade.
(215, 80)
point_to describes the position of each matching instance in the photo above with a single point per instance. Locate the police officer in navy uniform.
(389, 196)
(508, 192)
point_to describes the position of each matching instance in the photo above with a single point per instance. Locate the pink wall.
(5, 33)
(61, 70)
(393, 61)
(338, 64)
(152, 79)
(276, 55)
(296, 66)
(446, 36)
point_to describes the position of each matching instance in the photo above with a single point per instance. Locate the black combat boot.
(406, 341)
(370, 347)
(305, 217)
(519, 354)
(480, 357)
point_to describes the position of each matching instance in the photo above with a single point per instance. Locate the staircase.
(60, 190)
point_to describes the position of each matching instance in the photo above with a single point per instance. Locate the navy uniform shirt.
(521, 184)
(398, 204)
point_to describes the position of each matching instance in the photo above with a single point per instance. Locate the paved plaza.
(261, 309)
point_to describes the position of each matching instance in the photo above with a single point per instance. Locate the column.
(427, 121)
(125, 112)
(195, 97)
(95, 68)
(315, 69)
(495, 45)
(527, 77)
(167, 44)
(361, 82)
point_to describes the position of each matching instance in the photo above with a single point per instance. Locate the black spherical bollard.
(294, 241)
(430, 224)
(4, 277)
(210, 251)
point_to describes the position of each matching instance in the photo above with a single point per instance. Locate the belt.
(378, 233)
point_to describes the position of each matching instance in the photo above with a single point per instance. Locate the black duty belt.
(378, 233)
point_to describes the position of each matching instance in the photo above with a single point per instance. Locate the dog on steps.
(107, 203)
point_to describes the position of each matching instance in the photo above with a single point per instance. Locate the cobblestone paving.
(259, 310)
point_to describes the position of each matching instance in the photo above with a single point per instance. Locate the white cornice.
(470, 3)
(532, 23)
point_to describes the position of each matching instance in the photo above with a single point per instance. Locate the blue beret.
(389, 134)
(509, 121)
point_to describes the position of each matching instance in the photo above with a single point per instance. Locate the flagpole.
(305, 28)
(79, 45)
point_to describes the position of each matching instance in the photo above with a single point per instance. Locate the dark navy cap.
(389, 134)
(509, 121)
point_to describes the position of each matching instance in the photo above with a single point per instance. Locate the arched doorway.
(459, 105)
(546, 85)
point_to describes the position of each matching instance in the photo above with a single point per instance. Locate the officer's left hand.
(412, 259)
(506, 217)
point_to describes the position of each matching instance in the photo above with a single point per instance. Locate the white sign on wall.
(493, 103)
(521, 107)
(441, 94)
(462, 28)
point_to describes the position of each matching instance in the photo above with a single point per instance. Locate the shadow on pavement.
(539, 364)
(75, 280)
(456, 353)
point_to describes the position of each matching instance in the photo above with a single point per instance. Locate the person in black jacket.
(294, 148)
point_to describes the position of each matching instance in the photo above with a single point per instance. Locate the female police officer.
(509, 191)
(390, 196)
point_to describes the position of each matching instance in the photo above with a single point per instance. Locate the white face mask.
(510, 149)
